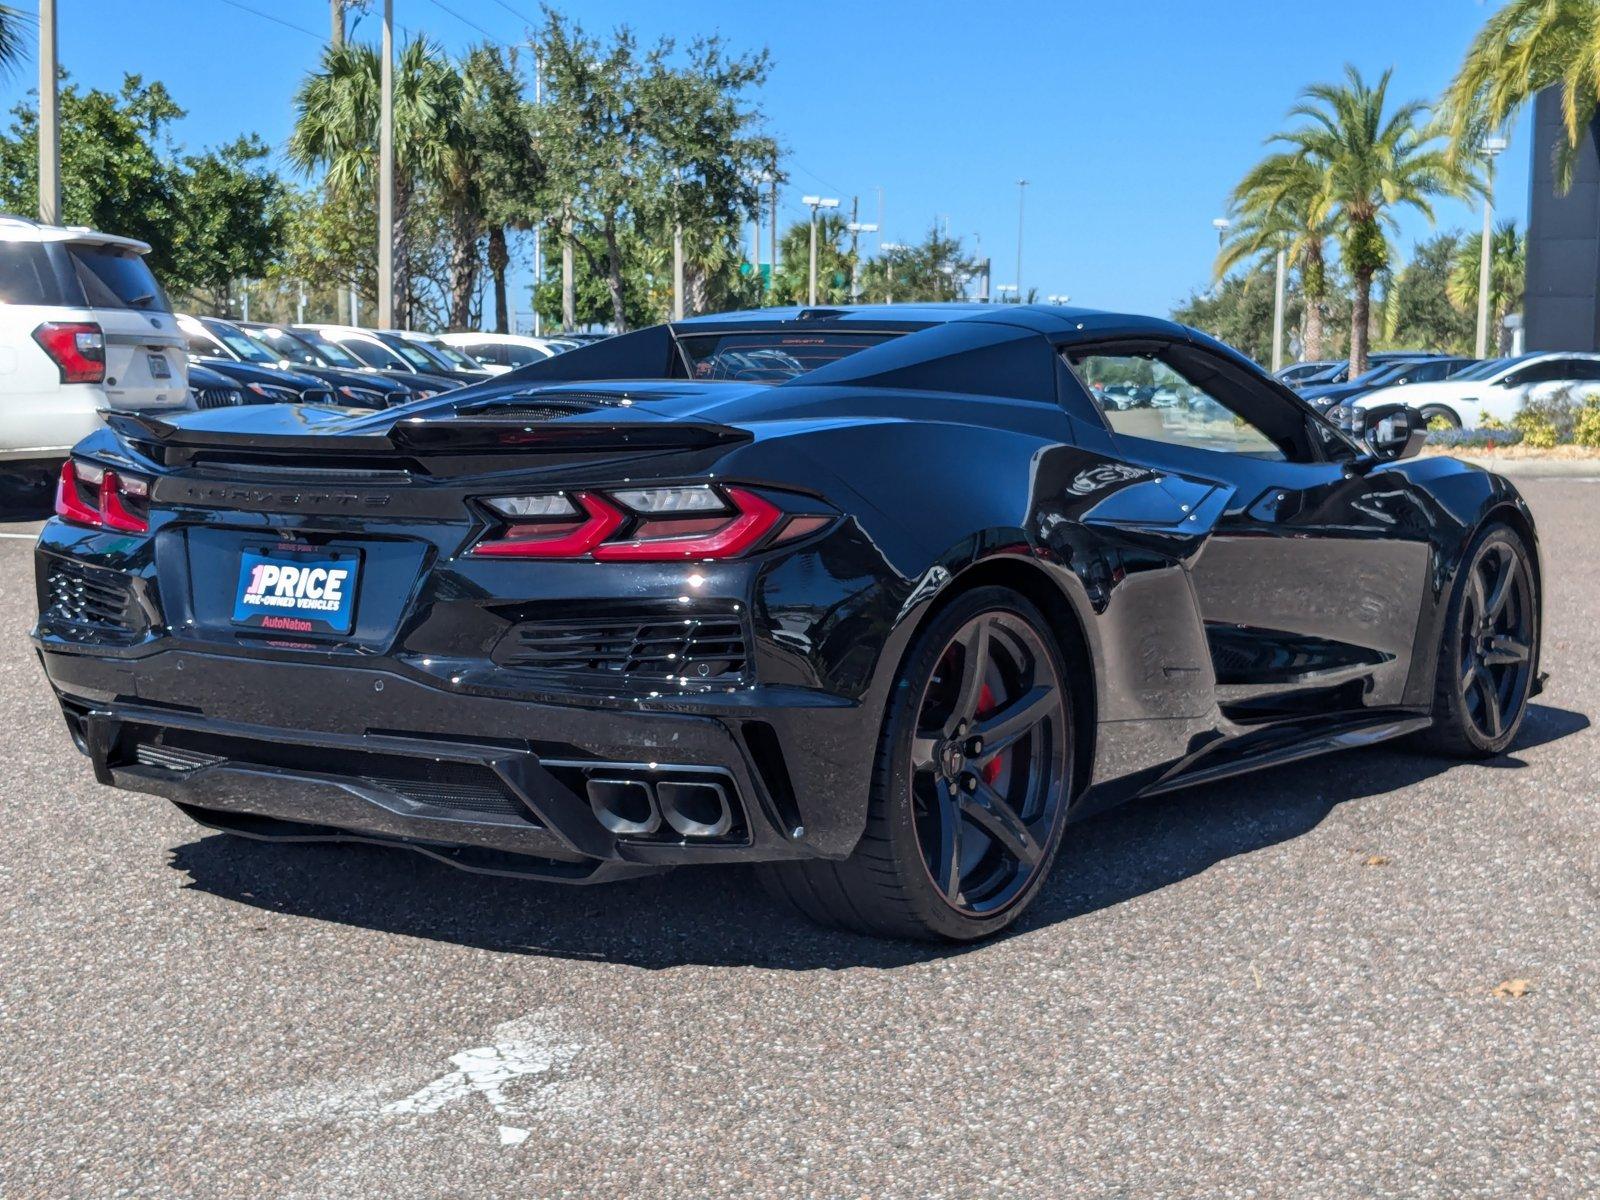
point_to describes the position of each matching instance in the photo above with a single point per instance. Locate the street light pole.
(857, 228)
(814, 203)
(1277, 311)
(889, 250)
(1022, 190)
(49, 123)
(386, 176)
(1491, 147)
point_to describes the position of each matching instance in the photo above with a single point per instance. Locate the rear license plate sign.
(160, 368)
(297, 590)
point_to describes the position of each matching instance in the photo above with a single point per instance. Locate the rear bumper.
(299, 751)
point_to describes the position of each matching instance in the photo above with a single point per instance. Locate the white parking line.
(21, 537)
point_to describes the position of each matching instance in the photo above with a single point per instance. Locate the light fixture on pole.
(386, 174)
(49, 125)
(814, 203)
(889, 250)
(1277, 309)
(857, 228)
(1003, 289)
(1491, 147)
(1221, 225)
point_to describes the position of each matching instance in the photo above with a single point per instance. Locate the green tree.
(336, 130)
(1280, 204)
(1238, 311)
(231, 220)
(506, 165)
(1373, 162)
(1524, 48)
(935, 269)
(638, 140)
(1507, 271)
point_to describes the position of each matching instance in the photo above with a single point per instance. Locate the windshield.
(375, 354)
(113, 277)
(449, 356)
(290, 347)
(330, 352)
(1483, 370)
(242, 344)
(770, 357)
(414, 354)
(1384, 373)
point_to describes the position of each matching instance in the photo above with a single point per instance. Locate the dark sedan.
(1391, 374)
(882, 621)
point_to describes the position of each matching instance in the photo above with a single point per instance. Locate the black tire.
(1431, 411)
(1489, 651)
(930, 791)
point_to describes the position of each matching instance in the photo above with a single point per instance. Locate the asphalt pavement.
(1283, 986)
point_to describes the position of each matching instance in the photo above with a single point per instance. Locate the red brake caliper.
(985, 707)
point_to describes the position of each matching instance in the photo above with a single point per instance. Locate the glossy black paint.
(1217, 612)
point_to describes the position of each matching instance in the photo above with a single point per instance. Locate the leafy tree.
(506, 166)
(1507, 271)
(231, 219)
(637, 143)
(337, 113)
(1526, 47)
(1279, 204)
(1373, 162)
(936, 268)
(1238, 311)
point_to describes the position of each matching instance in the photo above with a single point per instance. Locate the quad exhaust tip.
(636, 806)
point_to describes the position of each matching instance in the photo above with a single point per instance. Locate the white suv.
(84, 326)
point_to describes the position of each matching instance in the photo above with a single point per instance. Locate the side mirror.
(1394, 431)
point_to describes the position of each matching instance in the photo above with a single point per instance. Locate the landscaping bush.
(1550, 420)
(1481, 438)
(1587, 430)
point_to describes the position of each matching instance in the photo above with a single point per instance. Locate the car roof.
(1049, 319)
(21, 229)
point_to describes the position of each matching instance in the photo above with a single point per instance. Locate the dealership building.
(1561, 304)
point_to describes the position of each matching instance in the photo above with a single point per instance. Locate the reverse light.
(78, 349)
(101, 499)
(668, 524)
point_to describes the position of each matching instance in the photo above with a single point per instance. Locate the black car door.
(1307, 565)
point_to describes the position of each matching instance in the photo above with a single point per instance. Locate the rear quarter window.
(25, 275)
(116, 278)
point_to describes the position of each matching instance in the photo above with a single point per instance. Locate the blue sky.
(1131, 121)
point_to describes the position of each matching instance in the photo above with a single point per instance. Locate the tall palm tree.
(1526, 47)
(1278, 204)
(1373, 162)
(14, 24)
(336, 129)
(1507, 271)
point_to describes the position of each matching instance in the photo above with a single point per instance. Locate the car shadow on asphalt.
(719, 916)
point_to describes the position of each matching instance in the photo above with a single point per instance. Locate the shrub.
(1491, 423)
(1587, 430)
(1481, 438)
(1549, 419)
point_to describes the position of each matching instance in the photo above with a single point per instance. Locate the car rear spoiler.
(416, 438)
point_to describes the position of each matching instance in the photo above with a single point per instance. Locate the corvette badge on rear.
(295, 590)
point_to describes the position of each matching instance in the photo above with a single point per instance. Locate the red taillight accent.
(754, 519)
(535, 541)
(108, 510)
(70, 504)
(78, 348)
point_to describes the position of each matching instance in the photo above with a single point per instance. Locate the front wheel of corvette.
(1489, 651)
(970, 787)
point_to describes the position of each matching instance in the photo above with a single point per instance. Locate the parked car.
(390, 352)
(1393, 374)
(213, 389)
(358, 388)
(1297, 373)
(1495, 388)
(442, 352)
(500, 352)
(626, 609)
(1339, 372)
(303, 348)
(84, 327)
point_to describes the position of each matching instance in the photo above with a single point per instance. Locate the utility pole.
(1491, 147)
(49, 120)
(386, 176)
(569, 291)
(774, 182)
(300, 306)
(1277, 311)
(338, 24)
(538, 226)
(1022, 191)
(814, 203)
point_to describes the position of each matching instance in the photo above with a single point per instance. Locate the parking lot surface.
(1279, 986)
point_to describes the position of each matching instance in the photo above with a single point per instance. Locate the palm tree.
(1373, 162)
(1278, 204)
(13, 40)
(1526, 47)
(336, 129)
(1507, 270)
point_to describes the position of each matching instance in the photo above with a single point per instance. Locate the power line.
(514, 13)
(464, 20)
(255, 12)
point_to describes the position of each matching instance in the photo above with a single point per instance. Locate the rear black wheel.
(1490, 649)
(970, 790)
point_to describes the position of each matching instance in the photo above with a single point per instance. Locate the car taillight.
(78, 348)
(668, 524)
(101, 499)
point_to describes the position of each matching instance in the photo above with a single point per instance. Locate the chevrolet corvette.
(879, 599)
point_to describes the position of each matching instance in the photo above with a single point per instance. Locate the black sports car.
(878, 598)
